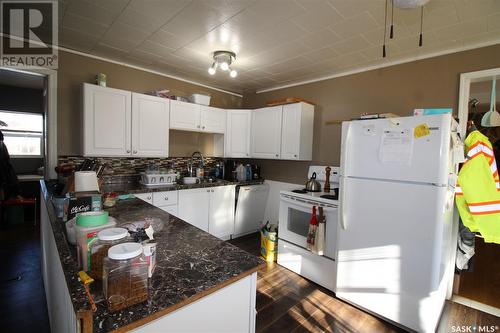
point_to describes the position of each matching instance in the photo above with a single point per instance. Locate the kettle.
(312, 184)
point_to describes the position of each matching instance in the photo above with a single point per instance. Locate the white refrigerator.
(397, 180)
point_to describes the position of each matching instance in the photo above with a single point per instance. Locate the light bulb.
(211, 70)
(224, 66)
(233, 73)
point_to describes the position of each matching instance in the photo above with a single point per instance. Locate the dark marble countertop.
(137, 187)
(190, 262)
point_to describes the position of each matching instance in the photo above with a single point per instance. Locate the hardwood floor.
(22, 295)
(483, 283)
(286, 302)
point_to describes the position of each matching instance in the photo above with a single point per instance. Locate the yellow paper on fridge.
(421, 130)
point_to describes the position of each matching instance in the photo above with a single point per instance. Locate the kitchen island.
(200, 284)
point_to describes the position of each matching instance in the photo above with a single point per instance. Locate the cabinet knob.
(247, 154)
(166, 198)
(208, 191)
(135, 151)
(198, 126)
(149, 198)
(203, 127)
(212, 191)
(128, 151)
(294, 155)
(277, 155)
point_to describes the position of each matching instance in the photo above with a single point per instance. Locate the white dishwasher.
(250, 207)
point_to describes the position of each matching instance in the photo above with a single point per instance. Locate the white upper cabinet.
(297, 131)
(150, 126)
(106, 121)
(121, 123)
(212, 120)
(199, 118)
(184, 116)
(266, 132)
(238, 133)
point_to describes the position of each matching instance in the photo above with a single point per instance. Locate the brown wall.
(75, 69)
(398, 89)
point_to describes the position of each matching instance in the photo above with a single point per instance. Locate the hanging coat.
(478, 189)
(9, 185)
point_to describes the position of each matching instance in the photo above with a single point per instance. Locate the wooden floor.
(483, 283)
(286, 302)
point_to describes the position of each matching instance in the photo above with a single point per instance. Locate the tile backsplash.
(126, 166)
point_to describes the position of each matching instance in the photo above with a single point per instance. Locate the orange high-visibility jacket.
(478, 189)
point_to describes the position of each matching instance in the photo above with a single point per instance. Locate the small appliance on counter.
(158, 179)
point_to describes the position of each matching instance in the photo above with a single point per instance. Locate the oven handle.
(306, 203)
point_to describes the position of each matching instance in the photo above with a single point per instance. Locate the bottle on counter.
(249, 172)
(241, 173)
(125, 276)
(99, 249)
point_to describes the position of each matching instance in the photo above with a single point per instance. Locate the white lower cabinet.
(221, 212)
(210, 209)
(193, 207)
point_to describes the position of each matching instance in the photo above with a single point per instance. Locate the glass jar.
(99, 249)
(125, 276)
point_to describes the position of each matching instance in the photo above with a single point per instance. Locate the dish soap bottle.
(241, 173)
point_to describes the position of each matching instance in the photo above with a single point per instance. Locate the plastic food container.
(200, 99)
(99, 249)
(86, 233)
(125, 276)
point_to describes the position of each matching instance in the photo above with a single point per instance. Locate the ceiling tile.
(115, 6)
(317, 17)
(351, 45)
(321, 54)
(76, 22)
(354, 7)
(467, 9)
(275, 10)
(159, 9)
(494, 22)
(355, 25)
(320, 39)
(140, 21)
(76, 40)
(92, 11)
(123, 36)
(462, 30)
(105, 51)
(167, 39)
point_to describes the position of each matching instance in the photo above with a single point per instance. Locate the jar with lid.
(125, 276)
(99, 249)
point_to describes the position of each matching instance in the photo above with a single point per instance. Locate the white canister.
(86, 181)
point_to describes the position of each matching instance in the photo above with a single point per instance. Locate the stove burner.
(300, 191)
(329, 196)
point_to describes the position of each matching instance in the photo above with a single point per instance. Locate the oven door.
(295, 217)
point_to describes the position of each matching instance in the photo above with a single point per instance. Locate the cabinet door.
(106, 121)
(184, 116)
(150, 126)
(193, 207)
(213, 120)
(221, 212)
(290, 132)
(266, 132)
(238, 130)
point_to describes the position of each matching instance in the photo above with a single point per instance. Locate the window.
(23, 135)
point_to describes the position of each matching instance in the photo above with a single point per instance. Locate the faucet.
(190, 164)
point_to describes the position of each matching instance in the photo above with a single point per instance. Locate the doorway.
(479, 285)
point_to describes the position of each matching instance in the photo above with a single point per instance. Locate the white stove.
(319, 197)
(294, 219)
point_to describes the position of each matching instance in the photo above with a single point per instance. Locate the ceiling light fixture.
(223, 60)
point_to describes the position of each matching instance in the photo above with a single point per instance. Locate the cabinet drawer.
(165, 198)
(148, 197)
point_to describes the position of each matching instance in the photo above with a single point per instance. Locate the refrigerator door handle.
(342, 217)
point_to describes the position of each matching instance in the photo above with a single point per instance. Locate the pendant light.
(492, 117)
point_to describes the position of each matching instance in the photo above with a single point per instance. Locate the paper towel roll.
(86, 181)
